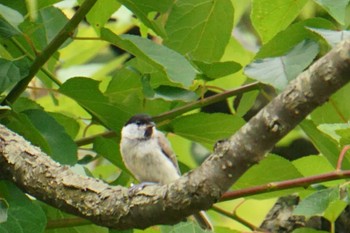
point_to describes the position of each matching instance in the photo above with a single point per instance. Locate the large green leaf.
(274, 168)
(335, 110)
(206, 128)
(143, 9)
(337, 9)
(216, 70)
(279, 71)
(200, 29)
(23, 215)
(12, 17)
(49, 22)
(6, 30)
(317, 202)
(12, 72)
(327, 146)
(319, 165)
(173, 65)
(86, 92)
(42, 130)
(293, 35)
(272, 16)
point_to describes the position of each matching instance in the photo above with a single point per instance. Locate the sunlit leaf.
(204, 128)
(216, 70)
(192, 28)
(274, 168)
(175, 66)
(270, 16)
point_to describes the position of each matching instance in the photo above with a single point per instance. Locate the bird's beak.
(149, 130)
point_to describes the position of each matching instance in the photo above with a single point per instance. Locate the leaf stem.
(206, 101)
(178, 111)
(287, 184)
(341, 156)
(50, 49)
(233, 216)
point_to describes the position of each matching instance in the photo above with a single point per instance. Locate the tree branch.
(116, 207)
(49, 50)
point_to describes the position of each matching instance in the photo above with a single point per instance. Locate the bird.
(148, 155)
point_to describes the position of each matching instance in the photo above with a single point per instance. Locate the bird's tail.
(203, 220)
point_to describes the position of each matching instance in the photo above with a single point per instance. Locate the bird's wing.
(167, 150)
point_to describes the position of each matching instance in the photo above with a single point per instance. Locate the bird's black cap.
(140, 119)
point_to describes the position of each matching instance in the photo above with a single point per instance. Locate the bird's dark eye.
(138, 122)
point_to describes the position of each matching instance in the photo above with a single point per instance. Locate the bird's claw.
(138, 187)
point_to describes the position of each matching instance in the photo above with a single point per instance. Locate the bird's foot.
(138, 187)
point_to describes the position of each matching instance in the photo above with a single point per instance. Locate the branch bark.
(116, 207)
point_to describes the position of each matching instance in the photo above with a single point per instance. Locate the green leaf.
(143, 8)
(295, 33)
(169, 93)
(18, 5)
(70, 125)
(246, 102)
(327, 146)
(332, 130)
(308, 230)
(206, 128)
(274, 168)
(4, 206)
(182, 227)
(331, 36)
(176, 68)
(216, 70)
(12, 17)
(101, 12)
(319, 165)
(86, 92)
(279, 71)
(23, 215)
(334, 210)
(344, 136)
(12, 72)
(103, 146)
(200, 29)
(220, 229)
(56, 215)
(271, 16)
(49, 22)
(6, 30)
(61, 147)
(337, 9)
(334, 110)
(23, 104)
(316, 203)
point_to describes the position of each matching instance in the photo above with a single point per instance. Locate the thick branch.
(115, 207)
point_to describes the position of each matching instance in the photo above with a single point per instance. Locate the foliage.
(101, 75)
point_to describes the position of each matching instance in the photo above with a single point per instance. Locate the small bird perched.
(149, 157)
